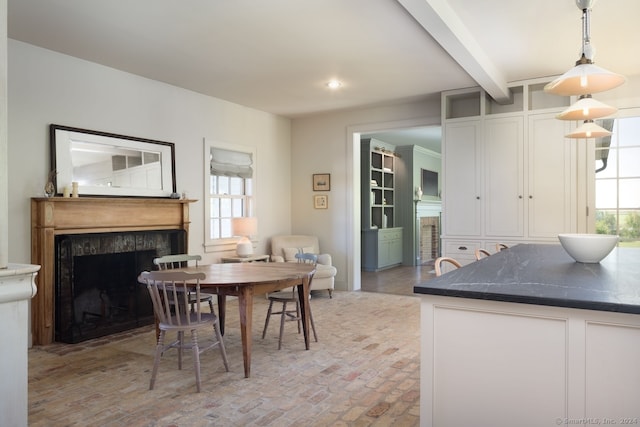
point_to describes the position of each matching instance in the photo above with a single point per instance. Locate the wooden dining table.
(244, 280)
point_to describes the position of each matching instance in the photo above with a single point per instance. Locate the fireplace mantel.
(58, 215)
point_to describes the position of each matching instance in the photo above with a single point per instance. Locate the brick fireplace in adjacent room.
(91, 251)
(429, 240)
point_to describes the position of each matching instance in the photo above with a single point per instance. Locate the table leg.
(303, 295)
(222, 310)
(245, 305)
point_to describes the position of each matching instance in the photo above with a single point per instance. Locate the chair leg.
(223, 351)
(266, 322)
(330, 293)
(196, 357)
(298, 317)
(156, 360)
(180, 347)
(283, 317)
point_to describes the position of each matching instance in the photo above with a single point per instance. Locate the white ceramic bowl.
(588, 248)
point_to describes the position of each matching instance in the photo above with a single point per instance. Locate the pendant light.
(585, 77)
(588, 130)
(583, 80)
(587, 108)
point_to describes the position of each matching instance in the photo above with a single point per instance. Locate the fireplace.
(91, 250)
(96, 287)
(429, 239)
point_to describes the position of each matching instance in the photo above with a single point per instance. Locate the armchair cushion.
(285, 248)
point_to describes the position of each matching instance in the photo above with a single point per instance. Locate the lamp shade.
(583, 79)
(589, 130)
(244, 226)
(586, 108)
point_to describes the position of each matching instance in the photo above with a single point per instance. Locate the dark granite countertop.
(544, 274)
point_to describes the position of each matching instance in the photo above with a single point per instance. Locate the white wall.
(324, 144)
(47, 87)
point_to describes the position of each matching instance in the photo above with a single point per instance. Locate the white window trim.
(223, 244)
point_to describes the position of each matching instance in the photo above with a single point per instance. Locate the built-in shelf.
(539, 99)
(381, 240)
(515, 105)
(459, 105)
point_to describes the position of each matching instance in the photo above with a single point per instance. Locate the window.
(229, 191)
(618, 180)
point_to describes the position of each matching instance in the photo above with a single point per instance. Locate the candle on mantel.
(419, 193)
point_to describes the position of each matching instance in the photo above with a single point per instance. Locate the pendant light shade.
(589, 130)
(586, 108)
(583, 79)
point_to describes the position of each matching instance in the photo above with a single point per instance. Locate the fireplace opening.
(429, 239)
(97, 291)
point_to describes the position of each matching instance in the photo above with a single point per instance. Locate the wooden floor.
(397, 280)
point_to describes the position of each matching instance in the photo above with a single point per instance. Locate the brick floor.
(363, 371)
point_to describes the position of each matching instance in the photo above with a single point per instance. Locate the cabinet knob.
(477, 197)
(531, 197)
(520, 197)
(462, 248)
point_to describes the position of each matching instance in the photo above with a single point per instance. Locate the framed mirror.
(105, 164)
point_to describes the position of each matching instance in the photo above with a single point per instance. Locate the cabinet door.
(389, 247)
(395, 249)
(551, 179)
(503, 166)
(461, 184)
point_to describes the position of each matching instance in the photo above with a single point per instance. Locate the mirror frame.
(61, 162)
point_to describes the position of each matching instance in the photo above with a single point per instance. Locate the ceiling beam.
(444, 25)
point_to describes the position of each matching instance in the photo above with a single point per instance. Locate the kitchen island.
(529, 337)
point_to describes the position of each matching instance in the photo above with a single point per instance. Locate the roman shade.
(231, 163)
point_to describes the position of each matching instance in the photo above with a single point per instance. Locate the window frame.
(224, 244)
(616, 148)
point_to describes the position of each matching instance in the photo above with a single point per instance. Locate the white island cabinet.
(529, 337)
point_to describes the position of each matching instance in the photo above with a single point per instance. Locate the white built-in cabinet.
(509, 174)
(462, 178)
(552, 177)
(503, 167)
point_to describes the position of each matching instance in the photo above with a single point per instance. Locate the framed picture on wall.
(321, 182)
(321, 202)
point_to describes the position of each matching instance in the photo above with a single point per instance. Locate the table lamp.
(244, 227)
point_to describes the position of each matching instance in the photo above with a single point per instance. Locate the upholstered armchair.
(285, 248)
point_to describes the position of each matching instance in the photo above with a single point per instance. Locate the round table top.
(254, 272)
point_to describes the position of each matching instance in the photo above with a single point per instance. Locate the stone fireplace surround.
(96, 287)
(54, 218)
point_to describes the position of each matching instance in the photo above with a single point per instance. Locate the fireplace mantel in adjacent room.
(55, 216)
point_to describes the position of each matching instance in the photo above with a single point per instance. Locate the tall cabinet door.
(552, 177)
(504, 177)
(461, 200)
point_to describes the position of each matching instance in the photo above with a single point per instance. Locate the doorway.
(425, 133)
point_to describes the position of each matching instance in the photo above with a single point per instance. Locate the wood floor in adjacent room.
(397, 280)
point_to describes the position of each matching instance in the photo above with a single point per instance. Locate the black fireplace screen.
(97, 292)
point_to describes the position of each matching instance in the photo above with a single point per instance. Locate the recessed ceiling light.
(334, 84)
